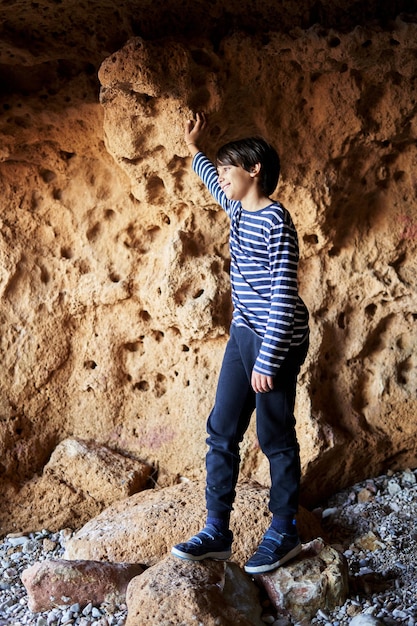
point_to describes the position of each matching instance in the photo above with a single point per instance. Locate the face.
(235, 181)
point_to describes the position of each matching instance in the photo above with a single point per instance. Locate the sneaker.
(209, 543)
(274, 550)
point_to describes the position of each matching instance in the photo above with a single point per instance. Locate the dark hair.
(247, 153)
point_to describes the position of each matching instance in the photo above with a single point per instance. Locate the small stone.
(87, 609)
(365, 620)
(29, 547)
(352, 610)
(20, 540)
(364, 495)
(48, 545)
(393, 487)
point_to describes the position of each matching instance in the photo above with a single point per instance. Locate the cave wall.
(114, 261)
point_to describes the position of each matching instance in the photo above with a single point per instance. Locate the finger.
(201, 119)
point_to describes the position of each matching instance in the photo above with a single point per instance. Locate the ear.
(255, 170)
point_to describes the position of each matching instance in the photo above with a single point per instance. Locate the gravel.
(373, 523)
(18, 552)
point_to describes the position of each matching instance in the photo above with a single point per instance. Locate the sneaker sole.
(217, 556)
(261, 569)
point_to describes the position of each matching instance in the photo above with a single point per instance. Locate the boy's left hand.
(261, 383)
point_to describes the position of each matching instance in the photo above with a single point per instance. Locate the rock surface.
(86, 476)
(144, 527)
(370, 523)
(114, 263)
(316, 580)
(100, 472)
(51, 583)
(181, 592)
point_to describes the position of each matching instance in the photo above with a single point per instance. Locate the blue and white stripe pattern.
(264, 261)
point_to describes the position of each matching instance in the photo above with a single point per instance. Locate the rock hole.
(47, 175)
(142, 385)
(185, 348)
(109, 214)
(312, 239)
(66, 253)
(198, 294)
(84, 267)
(335, 251)
(115, 278)
(334, 42)
(399, 175)
(160, 387)
(144, 315)
(341, 320)
(93, 232)
(158, 335)
(45, 276)
(399, 261)
(152, 232)
(66, 156)
(132, 346)
(155, 188)
(370, 310)
(90, 365)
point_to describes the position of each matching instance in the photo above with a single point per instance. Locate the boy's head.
(247, 153)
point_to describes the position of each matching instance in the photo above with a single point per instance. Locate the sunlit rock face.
(115, 301)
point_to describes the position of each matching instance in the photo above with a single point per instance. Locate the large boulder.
(144, 527)
(316, 579)
(183, 592)
(87, 476)
(62, 582)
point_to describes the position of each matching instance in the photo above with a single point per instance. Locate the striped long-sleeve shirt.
(264, 262)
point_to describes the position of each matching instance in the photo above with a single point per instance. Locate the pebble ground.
(373, 523)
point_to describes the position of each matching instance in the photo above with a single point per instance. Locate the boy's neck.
(255, 201)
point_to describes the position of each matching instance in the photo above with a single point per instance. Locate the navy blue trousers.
(275, 426)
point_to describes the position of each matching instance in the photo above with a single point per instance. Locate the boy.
(268, 344)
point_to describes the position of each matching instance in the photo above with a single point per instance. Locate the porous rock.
(316, 579)
(115, 300)
(183, 592)
(144, 527)
(97, 471)
(58, 582)
(83, 474)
